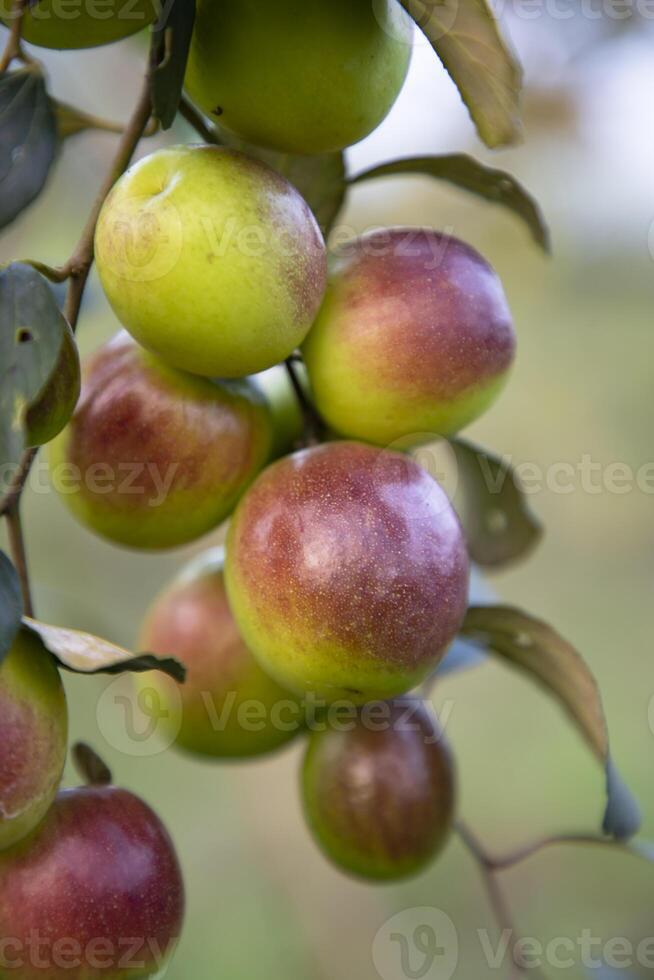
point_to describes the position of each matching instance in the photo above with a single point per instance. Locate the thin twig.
(314, 425)
(77, 271)
(508, 861)
(18, 554)
(496, 897)
(13, 48)
(198, 122)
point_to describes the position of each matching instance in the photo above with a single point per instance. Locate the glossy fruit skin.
(309, 77)
(379, 794)
(48, 416)
(192, 621)
(46, 26)
(101, 873)
(211, 260)
(33, 737)
(175, 450)
(414, 339)
(347, 572)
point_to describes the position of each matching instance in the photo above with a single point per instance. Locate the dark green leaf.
(498, 523)
(536, 648)
(466, 172)
(83, 653)
(93, 770)
(11, 605)
(28, 140)
(33, 340)
(467, 39)
(174, 32)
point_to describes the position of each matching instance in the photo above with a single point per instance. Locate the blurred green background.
(263, 903)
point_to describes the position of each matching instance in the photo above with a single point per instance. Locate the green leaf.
(536, 648)
(34, 338)
(469, 174)
(499, 525)
(11, 605)
(173, 33)
(468, 40)
(28, 140)
(83, 653)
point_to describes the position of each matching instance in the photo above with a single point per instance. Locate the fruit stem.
(203, 128)
(18, 554)
(13, 48)
(92, 769)
(314, 426)
(499, 904)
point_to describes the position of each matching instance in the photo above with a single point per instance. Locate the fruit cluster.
(345, 574)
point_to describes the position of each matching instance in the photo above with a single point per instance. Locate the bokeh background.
(263, 903)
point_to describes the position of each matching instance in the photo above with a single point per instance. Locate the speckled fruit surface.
(211, 260)
(153, 457)
(347, 572)
(379, 791)
(33, 737)
(96, 892)
(228, 707)
(414, 339)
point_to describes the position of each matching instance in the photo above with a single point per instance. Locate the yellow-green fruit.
(154, 457)
(33, 737)
(211, 260)
(47, 417)
(379, 791)
(299, 76)
(228, 707)
(85, 23)
(414, 339)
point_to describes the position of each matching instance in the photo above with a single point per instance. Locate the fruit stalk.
(19, 555)
(13, 48)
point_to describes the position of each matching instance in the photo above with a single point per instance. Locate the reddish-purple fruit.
(95, 892)
(228, 707)
(154, 457)
(414, 339)
(33, 737)
(347, 572)
(379, 790)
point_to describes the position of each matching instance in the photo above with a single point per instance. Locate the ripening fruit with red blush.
(414, 339)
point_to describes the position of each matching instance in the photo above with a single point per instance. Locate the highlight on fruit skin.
(347, 572)
(228, 708)
(308, 79)
(211, 260)
(47, 25)
(153, 457)
(99, 884)
(379, 790)
(33, 737)
(414, 339)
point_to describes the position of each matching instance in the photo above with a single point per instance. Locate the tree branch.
(18, 554)
(13, 48)
(314, 425)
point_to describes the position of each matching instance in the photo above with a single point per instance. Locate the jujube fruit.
(228, 707)
(379, 792)
(87, 23)
(347, 572)
(33, 737)
(211, 260)
(154, 457)
(414, 339)
(98, 886)
(299, 77)
(48, 415)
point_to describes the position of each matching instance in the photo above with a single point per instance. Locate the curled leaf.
(469, 174)
(11, 605)
(83, 653)
(534, 647)
(499, 525)
(468, 40)
(28, 139)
